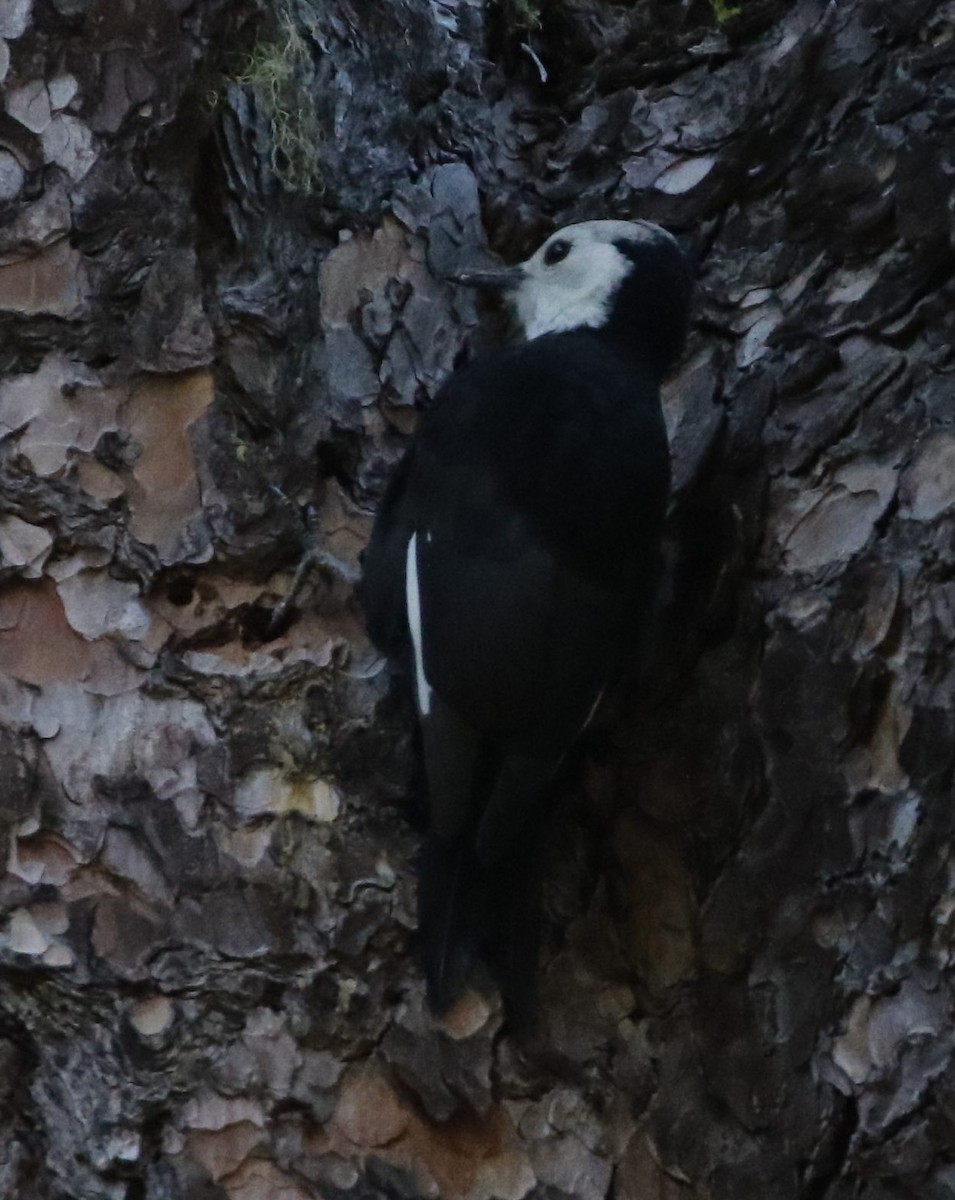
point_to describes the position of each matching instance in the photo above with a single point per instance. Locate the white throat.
(550, 301)
(549, 312)
(573, 278)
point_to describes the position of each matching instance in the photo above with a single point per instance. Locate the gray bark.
(207, 986)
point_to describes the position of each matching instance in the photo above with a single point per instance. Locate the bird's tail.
(472, 917)
(513, 921)
(450, 916)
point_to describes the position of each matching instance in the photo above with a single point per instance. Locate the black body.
(537, 485)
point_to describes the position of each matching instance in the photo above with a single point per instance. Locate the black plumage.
(513, 567)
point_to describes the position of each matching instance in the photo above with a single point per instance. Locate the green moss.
(278, 71)
(723, 10)
(520, 15)
(526, 13)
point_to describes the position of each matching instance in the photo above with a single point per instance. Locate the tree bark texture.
(208, 987)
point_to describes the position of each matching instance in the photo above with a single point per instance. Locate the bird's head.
(629, 279)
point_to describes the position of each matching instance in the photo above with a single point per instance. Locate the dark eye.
(556, 251)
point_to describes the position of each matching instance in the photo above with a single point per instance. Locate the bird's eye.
(556, 251)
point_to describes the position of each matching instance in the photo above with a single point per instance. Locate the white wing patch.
(593, 709)
(413, 602)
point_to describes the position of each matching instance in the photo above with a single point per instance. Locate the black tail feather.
(449, 917)
(471, 916)
(513, 925)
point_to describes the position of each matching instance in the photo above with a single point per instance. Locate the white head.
(572, 279)
(629, 279)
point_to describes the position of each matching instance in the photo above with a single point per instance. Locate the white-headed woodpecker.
(513, 567)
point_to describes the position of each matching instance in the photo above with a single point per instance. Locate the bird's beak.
(499, 279)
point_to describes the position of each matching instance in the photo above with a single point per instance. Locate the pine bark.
(225, 235)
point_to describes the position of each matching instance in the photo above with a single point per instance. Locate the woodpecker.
(513, 567)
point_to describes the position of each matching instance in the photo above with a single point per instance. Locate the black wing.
(529, 512)
(381, 590)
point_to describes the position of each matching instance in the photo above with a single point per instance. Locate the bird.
(512, 572)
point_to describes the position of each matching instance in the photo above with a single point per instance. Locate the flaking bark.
(207, 986)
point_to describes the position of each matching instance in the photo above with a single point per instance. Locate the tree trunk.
(224, 235)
